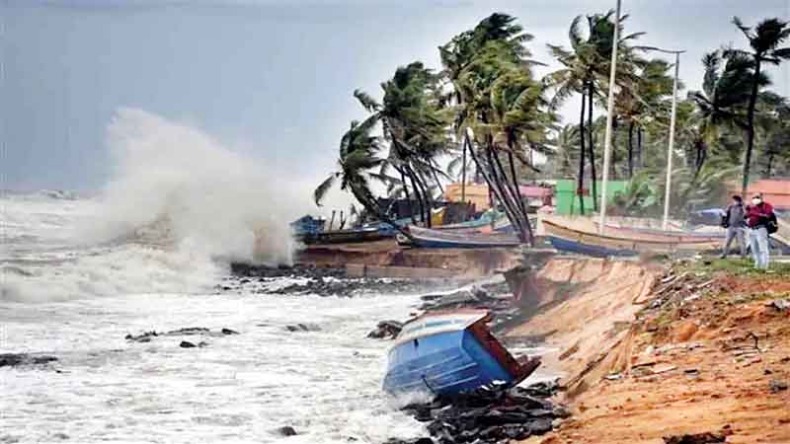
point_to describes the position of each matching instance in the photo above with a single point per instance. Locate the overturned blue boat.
(446, 353)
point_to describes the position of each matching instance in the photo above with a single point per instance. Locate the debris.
(302, 327)
(188, 331)
(781, 305)
(488, 415)
(386, 329)
(777, 386)
(698, 438)
(16, 359)
(186, 344)
(287, 431)
(663, 368)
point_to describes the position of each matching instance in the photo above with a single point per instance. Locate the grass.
(734, 267)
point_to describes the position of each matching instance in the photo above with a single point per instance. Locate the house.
(479, 196)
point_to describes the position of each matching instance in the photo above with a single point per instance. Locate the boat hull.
(450, 353)
(445, 364)
(427, 238)
(622, 243)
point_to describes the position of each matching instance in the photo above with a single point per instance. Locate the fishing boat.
(428, 238)
(344, 236)
(583, 238)
(446, 353)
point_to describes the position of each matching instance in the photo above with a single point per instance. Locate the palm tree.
(565, 143)
(496, 98)
(358, 159)
(585, 71)
(765, 42)
(415, 125)
(642, 102)
(722, 102)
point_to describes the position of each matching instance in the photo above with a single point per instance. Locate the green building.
(567, 202)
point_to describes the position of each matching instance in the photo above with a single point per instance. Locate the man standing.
(758, 216)
(734, 221)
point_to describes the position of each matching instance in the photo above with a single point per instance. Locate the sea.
(78, 301)
(149, 251)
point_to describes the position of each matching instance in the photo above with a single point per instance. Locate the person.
(734, 220)
(758, 215)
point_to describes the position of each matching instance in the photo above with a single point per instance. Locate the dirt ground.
(651, 357)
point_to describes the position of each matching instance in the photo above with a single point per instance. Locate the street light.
(671, 146)
(607, 151)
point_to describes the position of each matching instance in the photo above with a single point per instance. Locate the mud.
(688, 355)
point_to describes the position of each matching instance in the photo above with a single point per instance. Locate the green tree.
(765, 41)
(495, 96)
(357, 163)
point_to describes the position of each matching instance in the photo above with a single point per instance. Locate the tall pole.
(670, 148)
(607, 151)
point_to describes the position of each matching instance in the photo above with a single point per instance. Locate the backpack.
(772, 226)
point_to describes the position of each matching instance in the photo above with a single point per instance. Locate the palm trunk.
(640, 159)
(417, 194)
(489, 181)
(502, 192)
(530, 237)
(750, 127)
(631, 150)
(512, 195)
(463, 171)
(408, 196)
(428, 200)
(580, 177)
(591, 93)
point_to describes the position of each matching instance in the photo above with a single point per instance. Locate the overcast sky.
(272, 79)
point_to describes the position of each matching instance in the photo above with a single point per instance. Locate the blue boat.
(586, 249)
(446, 353)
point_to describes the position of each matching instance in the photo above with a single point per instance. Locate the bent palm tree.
(765, 41)
(358, 158)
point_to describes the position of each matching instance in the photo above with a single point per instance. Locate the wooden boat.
(344, 236)
(446, 353)
(428, 238)
(582, 238)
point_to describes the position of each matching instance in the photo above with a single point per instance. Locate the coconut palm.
(496, 106)
(357, 165)
(415, 125)
(765, 41)
(585, 71)
(723, 101)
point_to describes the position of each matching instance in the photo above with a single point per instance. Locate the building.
(479, 196)
(567, 199)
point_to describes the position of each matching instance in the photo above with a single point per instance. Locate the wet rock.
(188, 331)
(699, 438)
(489, 415)
(386, 329)
(17, 359)
(287, 431)
(777, 386)
(187, 344)
(302, 327)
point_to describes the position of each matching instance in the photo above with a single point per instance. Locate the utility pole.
(670, 148)
(607, 151)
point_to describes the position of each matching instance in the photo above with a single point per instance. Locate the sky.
(273, 79)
